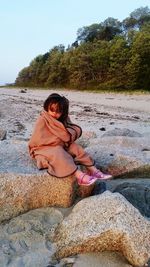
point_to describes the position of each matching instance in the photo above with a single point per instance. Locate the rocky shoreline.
(120, 123)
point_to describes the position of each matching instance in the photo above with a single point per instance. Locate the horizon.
(30, 29)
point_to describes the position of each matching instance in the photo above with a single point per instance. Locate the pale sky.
(32, 27)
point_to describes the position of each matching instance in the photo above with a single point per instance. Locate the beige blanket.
(52, 145)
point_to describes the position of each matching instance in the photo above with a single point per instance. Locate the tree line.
(106, 55)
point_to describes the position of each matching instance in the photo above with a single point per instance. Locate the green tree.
(100, 56)
(119, 56)
(88, 33)
(106, 30)
(137, 18)
(54, 67)
(139, 65)
(80, 66)
(110, 28)
(23, 77)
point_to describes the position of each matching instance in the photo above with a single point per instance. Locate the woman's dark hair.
(62, 104)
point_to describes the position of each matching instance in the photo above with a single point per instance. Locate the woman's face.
(54, 111)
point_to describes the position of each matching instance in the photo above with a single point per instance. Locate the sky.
(29, 28)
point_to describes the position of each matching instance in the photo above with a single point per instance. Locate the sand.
(94, 112)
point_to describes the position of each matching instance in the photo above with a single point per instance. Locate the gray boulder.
(137, 194)
(122, 132)
(122, 156)
(23, 187)
(105, 222)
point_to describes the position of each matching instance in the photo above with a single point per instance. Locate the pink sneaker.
(92, 180)
(102, 176)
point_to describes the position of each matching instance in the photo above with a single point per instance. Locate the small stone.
(23, 90)
(102, 129)
(2, 134)
(136, 117)
(87, 109)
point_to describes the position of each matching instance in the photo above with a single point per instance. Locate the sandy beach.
(97, 114)
(94, 112)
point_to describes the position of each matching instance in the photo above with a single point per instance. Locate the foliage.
(110, 54)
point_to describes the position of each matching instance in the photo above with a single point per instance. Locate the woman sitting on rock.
(53, 145)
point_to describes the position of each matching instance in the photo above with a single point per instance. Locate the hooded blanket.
(53, 146)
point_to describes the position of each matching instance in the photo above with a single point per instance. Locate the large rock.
(136, 191)
(23, 187)
(20, 193)
(137, 194)
(105, 222)
(122, 156)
